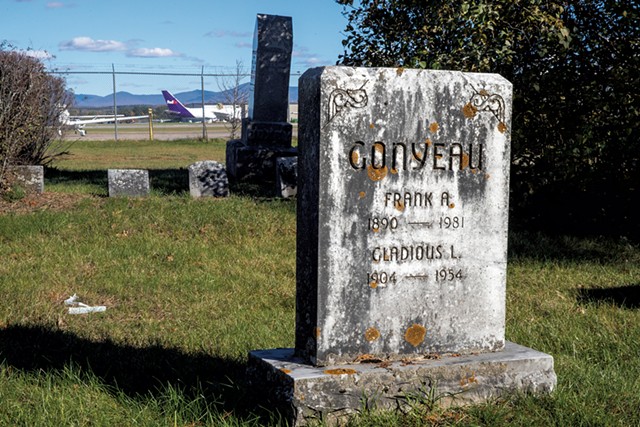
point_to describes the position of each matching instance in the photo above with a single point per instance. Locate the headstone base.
(303, 392)
(254, 163)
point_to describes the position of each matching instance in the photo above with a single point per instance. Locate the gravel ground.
(43, 201)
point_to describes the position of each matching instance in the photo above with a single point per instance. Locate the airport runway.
(161, 131)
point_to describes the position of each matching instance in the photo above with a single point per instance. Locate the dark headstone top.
(267, 123)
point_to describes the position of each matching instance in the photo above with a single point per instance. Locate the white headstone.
(404, 188)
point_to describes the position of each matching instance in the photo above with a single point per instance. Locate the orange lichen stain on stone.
(469, 111)
(355, 157)
(465, 161)
(467, 380)
(367, 358)
(502, 127)
(316, 332)
(487, 176)
(286, 371)
(452, 205)
(379, 148)
(399, 71)
(340, 371)
(371, 334)
(372, 125)
(428, 142)
(399, 205)
(393, 171)
(433, 127)
(362, 194)
(373, 285)
(376, 174)
(483, 92)
(415, 334)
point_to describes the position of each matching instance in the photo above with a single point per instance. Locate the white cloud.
(307, 59)
(39, 54)
(227, 33)
(59, 5)
(91, 45)
(156, 52)
(314, 61)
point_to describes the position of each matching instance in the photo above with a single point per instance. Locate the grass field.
(191, 286)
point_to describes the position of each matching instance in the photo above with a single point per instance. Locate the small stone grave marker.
(208, 178)
(29, 177)
(287, 176)
(128, 182)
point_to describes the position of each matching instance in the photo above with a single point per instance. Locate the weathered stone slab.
(29, 177)
(304, 392)
(402, 216)
(128, 182)
(208, 178)
(287, 176)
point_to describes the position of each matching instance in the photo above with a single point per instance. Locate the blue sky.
(163, 36)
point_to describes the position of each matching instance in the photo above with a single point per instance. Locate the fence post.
(204, 126)
(115, 104)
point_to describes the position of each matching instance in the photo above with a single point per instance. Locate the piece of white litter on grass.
(84, 309)
(71, 300)
(78, 307)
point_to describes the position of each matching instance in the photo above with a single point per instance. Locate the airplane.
(216, 112)
(78, 122)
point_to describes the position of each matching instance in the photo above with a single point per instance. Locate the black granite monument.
(266, 132)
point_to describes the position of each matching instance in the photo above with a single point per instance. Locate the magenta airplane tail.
(175, 106)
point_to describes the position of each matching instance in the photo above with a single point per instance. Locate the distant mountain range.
(187, 98)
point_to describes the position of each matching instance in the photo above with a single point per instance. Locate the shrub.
(32, 102)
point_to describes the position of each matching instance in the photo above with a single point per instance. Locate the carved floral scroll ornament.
(343, 98)
(483, 101)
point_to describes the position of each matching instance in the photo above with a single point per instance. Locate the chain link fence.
(215, 84)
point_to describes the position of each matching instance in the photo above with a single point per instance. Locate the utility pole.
(204, 126)
(115, 104)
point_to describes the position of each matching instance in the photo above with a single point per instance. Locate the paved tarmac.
(161, 131)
